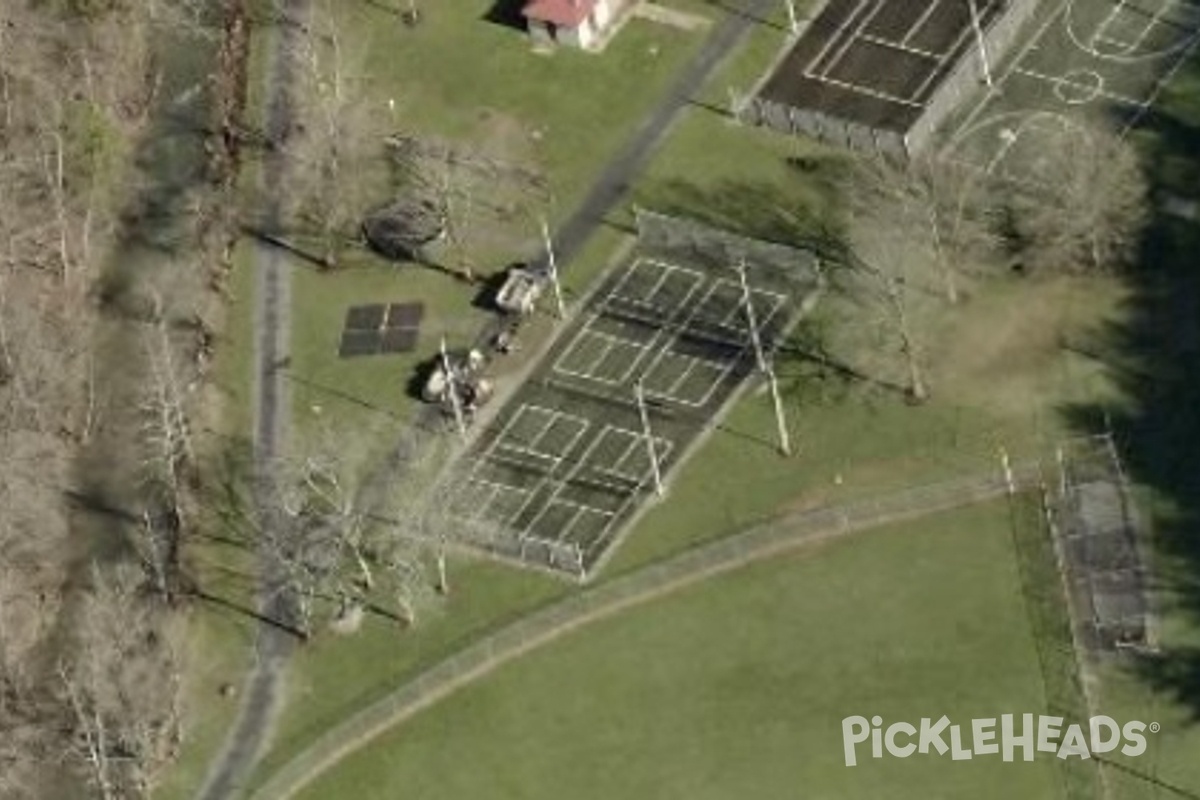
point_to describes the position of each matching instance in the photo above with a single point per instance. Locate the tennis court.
(881, 75)
(566, 464)
(877, 62)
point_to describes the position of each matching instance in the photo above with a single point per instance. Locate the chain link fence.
(722, 555)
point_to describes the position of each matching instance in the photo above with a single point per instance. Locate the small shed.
(573, 23)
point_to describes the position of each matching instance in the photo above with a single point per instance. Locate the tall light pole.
(785, 442)
(552, 266)
(793, 22)
(983, 56)
(640, 396)
(453, 391)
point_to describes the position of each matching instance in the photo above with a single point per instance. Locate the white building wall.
(602, 13)
(582, 36)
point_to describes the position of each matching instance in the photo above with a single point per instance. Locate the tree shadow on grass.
(765, 211)
(1154, 352)
(1156, 356)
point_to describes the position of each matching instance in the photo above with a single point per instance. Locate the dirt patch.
(1008, 350)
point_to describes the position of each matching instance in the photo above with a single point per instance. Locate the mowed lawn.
(461, 79)
(736, 687)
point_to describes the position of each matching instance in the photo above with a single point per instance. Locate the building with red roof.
(575, 23)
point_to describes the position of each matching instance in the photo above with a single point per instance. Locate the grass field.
(737, 687)
(339, 674)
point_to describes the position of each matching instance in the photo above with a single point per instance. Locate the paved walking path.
(619, 173)
(649, 583)
(261, 695)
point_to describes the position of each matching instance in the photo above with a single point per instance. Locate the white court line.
(488, 456)
(687, 373)
(576, 468)
(660, 330)
(903, 48)
(1184, 56)
(497, 489)
(854, 87)
(504, 431)
(630, 498)
(564, 537)
(937, 71)
(921, 20)
(1061, 80)
(615, 469)
(615, 292)
(837, 37)
(635, 438)
(721, 368)
(852, 38)
(553, 418)
(590, 373)
(530, 448)
(634, 267)
(556, 416)
(665, 271)
(1112, 14)
(566, 529)
(722, 372)
(740, 310)
(636, 445)
(525, 539)
(590, 369)
(1157, 18)
(721, 283)
(1184, 44)
(1122, 46)
(968, 125)
(578, 423)
(555, 458)
(478, 509)
(586, 334)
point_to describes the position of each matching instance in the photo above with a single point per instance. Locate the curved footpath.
(703, 562)
(262, 694)
(261, 697)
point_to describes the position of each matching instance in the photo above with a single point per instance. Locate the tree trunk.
(917, 389)
(946, 268)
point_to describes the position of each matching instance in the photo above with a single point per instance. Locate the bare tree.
(937, 206)
(893, 250)
(1084, 207)
(338, 149)
(344, 544)
(122, 685)
(167, 437)
(75, 83)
